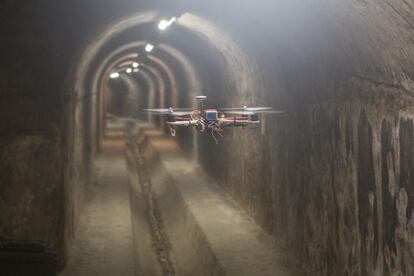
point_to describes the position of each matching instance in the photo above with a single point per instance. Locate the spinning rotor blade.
(183, 109)
(255, 109)
(158, 111)
(181, 113)
(238, 121)
(168, 111)
(245, 108)
(241, 112)
(270, 112)
(246, 113)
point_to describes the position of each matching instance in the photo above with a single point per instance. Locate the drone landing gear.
(200, 127)
(214, 136)
(172, 131)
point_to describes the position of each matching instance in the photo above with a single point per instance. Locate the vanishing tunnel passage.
(192, 138)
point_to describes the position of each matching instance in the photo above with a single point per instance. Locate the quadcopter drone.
(211, 120)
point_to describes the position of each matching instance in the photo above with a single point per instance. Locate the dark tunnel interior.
(324, 188)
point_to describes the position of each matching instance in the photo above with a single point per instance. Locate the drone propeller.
(242, 112)
(270, 112)
(159, 111)
(169, 111)
(256, 109)
(180, 113)
(245, 108)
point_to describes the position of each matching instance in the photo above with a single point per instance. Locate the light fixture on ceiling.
(164, 24)
(114, 75)
(135, 70)
(135, 65)
(149, 47)
(129, 70)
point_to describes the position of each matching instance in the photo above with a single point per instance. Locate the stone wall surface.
(31, 197)
(333, 181)
(331, 176)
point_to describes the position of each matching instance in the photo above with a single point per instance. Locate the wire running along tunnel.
(330, 180)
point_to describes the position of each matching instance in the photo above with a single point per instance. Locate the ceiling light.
(135, 65)
(136, 70)
(115, 75)
(164, 24)
(129, 70)
(149, 47)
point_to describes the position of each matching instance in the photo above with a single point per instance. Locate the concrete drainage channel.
(167, 239)
(184, 224)
(159, 239)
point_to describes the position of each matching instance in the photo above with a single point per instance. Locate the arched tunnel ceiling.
(239, 72)
(154, 81)
(108, 63)
(94, 48)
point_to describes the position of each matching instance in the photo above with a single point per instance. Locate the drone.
(210, 120)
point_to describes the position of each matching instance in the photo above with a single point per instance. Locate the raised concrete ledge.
(208, 232)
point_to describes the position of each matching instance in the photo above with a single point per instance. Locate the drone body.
(211, 120)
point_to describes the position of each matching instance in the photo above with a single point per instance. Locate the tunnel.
(326, 187)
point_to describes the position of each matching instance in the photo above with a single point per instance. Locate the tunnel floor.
(104, 242)
(206, 232)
